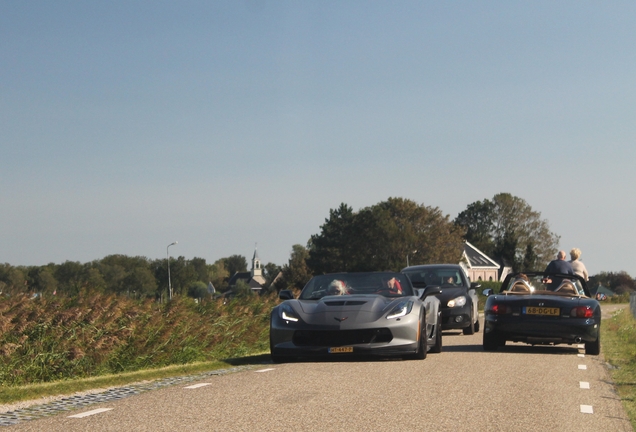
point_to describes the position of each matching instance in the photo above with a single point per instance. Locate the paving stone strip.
(80, 401)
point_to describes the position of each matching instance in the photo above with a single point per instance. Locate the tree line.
(137, 277)
(385, 236)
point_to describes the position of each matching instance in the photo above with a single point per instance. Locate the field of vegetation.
(618, 336)
(56, 338)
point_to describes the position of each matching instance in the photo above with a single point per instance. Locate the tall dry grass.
(49, 339)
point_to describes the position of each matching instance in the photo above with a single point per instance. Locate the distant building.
(480, 267)
(253, 278)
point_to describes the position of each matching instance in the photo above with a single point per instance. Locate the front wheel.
(471, 328)
(437, 348)
(422, 346)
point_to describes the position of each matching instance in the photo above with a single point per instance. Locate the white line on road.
(265, 370)
(198, 385)
(90, 413)
(587, 409)
(581, 345)
(581, 355)
(584, 385)
(582, 367)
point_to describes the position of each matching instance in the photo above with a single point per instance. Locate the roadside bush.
(48, 339)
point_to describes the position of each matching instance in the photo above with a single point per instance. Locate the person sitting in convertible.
(394, 286)
(521, 284)
(337, 287)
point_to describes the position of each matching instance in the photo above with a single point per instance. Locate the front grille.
(345, 303)
(341, 337)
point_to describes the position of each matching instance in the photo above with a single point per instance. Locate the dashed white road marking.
(581, 355)
(584, 385)
(581, 345)
(90, 413)
(194, 386)
(582, 367)
(265, 370)
(587, 409)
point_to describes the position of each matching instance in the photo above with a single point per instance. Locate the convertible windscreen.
(543, 284)
(386, 284)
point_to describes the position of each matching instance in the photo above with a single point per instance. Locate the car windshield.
(542, 284)
(388, 284)
(442, 276)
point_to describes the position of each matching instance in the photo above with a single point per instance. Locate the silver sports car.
(375, 313)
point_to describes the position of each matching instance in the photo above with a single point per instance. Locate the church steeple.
(257, 269)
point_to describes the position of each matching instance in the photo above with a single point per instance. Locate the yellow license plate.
(534, 310)
(336, 350)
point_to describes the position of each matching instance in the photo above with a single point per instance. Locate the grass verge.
(12, 394)
(618, 339)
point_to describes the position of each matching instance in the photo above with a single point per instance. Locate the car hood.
(345, 311)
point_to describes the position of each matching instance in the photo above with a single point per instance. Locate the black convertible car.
(345, 314)
(542, 309)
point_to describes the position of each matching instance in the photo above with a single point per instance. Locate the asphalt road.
(519, 388)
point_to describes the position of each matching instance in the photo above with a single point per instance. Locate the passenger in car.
(337, 287)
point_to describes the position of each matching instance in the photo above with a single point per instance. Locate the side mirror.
(286, 295)
(487, 292)
(431, 290)
(475, 285)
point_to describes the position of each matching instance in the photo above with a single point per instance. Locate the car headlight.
(288, 313)
(457, 301)
(403, 308)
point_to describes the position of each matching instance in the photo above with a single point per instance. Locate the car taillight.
(582, 312)
(500, 309)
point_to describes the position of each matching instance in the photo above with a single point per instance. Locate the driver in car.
(394, 286)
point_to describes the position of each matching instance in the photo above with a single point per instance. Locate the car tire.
(437, 348)
(593, 348)
(422, 346)
(477, 325)
(491, 342)
(471, 327)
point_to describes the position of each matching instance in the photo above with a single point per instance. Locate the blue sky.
(127, 125)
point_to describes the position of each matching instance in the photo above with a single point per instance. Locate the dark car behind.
(458, 298)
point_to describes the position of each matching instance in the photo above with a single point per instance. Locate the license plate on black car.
(535, 310)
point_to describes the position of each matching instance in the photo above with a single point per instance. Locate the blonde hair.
(339, 286)
(575, 253)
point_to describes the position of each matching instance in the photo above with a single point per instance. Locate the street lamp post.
(407, 257)
(169, 282)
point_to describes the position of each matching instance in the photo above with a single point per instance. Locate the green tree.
(235, 263)
(505, 227)
(182, 275)
(201, 269)
(619, 282)
(219, 275)
(332, 248)
(296, 273)
(140, 282)
(198, 290)
(242, 289)
(46, 281)
(70, 277)
(380, 237)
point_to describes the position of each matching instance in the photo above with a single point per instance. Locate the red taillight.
(582, 312)
(500, 309)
